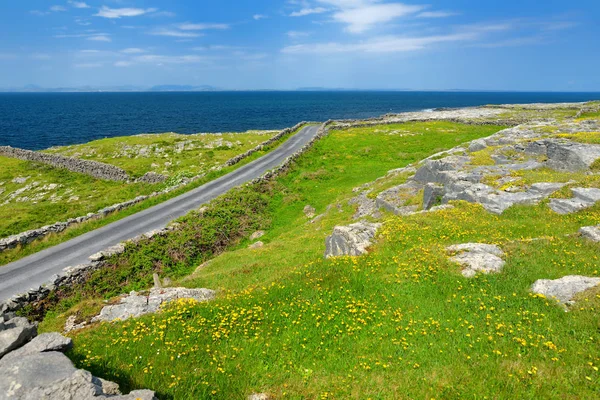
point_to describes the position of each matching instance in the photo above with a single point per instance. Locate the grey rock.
(71, 325)
(259, 396)
(477, 257)
(45, 342)
(366, 206)
(256, 245)
(257, 235)
(571, 156)
(591, 232)
(432, 195)
(152, 178)
(352, 240)
(52, 376)
(394, 199)
(565, 288)
(135, 305)
(477, 145)
(109, 252)
(15, 334)
(309, 211)
(582, 198)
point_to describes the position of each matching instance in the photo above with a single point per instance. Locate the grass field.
(48, 194)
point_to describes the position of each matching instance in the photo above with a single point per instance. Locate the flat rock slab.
(582, 198)
(52, 376)
(565, 288)
(477, 257)
(14, 334)
(351, 240)
(591, 232)
(135, 305)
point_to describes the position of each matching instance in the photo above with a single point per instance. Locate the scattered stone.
(111, 251)
(256, 245)
(70, 324)
(259, 396)
(20, 179)
(309, 211)
(582, 198)
(591, 232)
(477, 257)
(564, 289)
(135, 305)
(352, 240)
(257, 235)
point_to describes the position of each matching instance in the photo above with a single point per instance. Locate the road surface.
(38, 268)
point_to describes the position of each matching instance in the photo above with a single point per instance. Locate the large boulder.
(566, 288)
(571, 156)
(351, 240)
(477, 257)
(135, 305)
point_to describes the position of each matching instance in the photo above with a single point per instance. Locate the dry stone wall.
(93, 168)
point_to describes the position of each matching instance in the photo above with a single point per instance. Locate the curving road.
(38, 268)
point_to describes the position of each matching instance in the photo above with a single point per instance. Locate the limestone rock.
(256, 245)
(52, 376)
(257, 235)
(309, 211)
(45, 342)
(591, 232)
(366, 206)
(352, 240)
(565, 288)
(259, 396)
(477, 145)
(135, 305)
(16, 332)
(109, 252)
(582, 198)
(477, 257)
(394, 199)
(571, 156)
(432, 195)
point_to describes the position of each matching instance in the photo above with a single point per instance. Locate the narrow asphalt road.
(38, 268)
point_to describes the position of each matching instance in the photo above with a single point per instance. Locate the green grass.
(170, 154)
(30, 216)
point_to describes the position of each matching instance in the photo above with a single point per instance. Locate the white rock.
(565, 288)
(352, 240)
(477, 257)
(591, 232)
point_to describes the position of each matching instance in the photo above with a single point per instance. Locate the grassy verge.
(76, 230)
(289, 323)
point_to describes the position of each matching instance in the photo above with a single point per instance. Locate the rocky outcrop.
(135, 305)
(351, 240)
(394, 199)
(564, 155)
(591, 232)
(566, 288)
(582, 198)
(152, 178)
(14, 333)
(92, 168)
(477, 257)
(35, 368)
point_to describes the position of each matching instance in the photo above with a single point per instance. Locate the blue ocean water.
(41, 120)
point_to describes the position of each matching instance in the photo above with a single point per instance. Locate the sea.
(40, 120)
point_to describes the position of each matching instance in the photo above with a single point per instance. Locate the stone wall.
(93, 168)
(29, 236)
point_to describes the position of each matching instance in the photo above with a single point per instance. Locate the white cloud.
(100, 38)
(437, 14)
(361, 19)
(78, 4)
(39, 13)
(133, 50)
(89, 51)
(81, 35)
(113, 13)
(259, 16)
(88, 65)
(201, 27)
(82, 22)
(57, 8)
(174, 33)
(308, 11)
(123, 64)
(161, 59)
(384, 44)
(297, 34)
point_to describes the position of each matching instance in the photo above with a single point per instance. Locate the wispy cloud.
(173, 33)
(123, 64)
(57, 9)
(437, 14)
(308, 11)
(201, 27)
(114, 13)
(78, 4)
(259, 16)
(100, 38)
(133, 50)
(94, 36)
(363, 18)
(297, 34)
(163, 59)
(385, 44)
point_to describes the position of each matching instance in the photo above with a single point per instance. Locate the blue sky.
(286, 44)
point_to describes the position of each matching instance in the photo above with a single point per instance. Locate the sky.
(287, 44)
